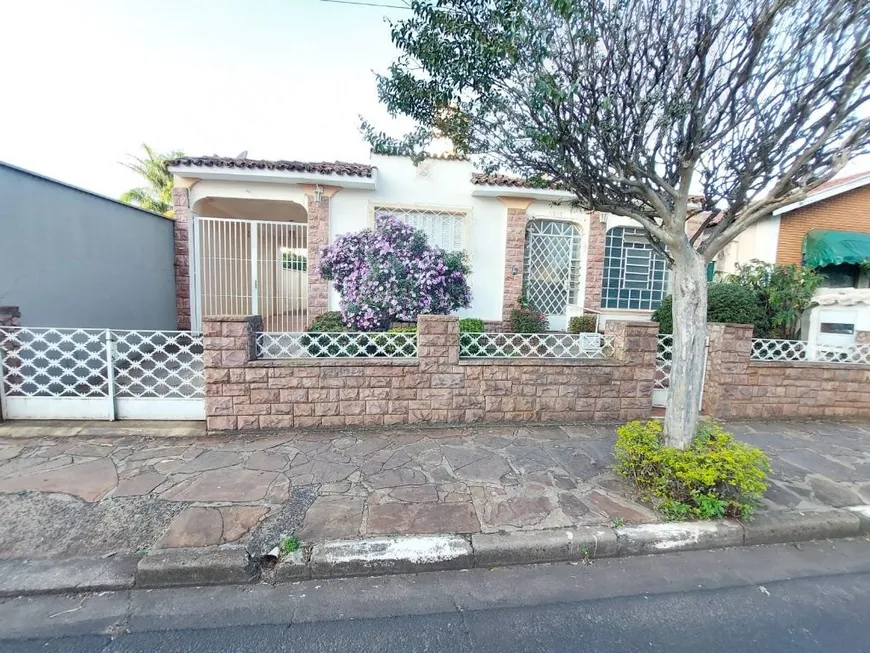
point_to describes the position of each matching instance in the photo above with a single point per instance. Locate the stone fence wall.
(435, 387)
(737, 387)
(10, 316)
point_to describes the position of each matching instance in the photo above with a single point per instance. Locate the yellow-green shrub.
(717, 476)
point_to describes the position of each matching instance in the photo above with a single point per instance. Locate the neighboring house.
(829, 231)
(248, 234)
(72, 258)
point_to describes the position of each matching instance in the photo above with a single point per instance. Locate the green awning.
(823, 248)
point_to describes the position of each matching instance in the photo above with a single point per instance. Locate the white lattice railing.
(764, 349)
(337, 345)
(664, 355)
(535, 345)
(79, 363)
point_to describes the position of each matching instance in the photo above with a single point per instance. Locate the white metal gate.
(552, 262)
(662, 379)
(101, 374)
(251, 267)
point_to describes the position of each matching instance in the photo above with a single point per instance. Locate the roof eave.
(823, 195)
(546, 194)
(276, 176)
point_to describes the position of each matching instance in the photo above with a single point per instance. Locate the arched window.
(635, 275)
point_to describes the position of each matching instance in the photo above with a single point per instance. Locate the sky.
(86, 82)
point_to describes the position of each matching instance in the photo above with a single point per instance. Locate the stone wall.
(10, 316)
(318, 237)
(737, 387)
(435, 387)
(515, 247)
(595, 262)
(181, 208)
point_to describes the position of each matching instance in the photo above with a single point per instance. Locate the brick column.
(634, 344)
(10, 316)
(515, 247)
(181, 204)
(726, 378)
(440, 377)
(318, 237)
(862, 337)
(228, 343)
(594, 262)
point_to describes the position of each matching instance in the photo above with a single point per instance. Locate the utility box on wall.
(839, 318)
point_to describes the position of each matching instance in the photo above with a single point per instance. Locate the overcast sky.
(85, 82)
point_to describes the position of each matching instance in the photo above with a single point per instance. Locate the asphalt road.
(781, 598)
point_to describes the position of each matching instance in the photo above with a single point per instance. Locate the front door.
(552, 264)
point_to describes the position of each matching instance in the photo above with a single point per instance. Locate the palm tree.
(156, 196)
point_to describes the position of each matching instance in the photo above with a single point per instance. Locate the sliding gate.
(100, 374)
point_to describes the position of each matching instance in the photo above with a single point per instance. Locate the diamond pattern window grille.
(535, 345)
(165, 364)
(443, 229)
(552, 265)
(635, 275)
(337, 345)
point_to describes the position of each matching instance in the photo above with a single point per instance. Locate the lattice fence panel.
(535, 345)
(664, 356)
(46, 362)
(337, 345)
(764, 349)
(160, 364)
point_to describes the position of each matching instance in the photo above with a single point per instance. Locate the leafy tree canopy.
(156, 194)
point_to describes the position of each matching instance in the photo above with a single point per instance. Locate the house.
(248, 233)
(72, 258)
(829, 231)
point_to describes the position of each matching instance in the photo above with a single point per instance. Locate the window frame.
(622, 292)
(463, 212)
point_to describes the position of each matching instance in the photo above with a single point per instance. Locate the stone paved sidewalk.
(86, 495)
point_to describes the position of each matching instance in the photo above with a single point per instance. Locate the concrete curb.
(413, 554)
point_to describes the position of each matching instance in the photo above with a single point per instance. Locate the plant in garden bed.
(391, 273)
(716, 476)
(525, 319)
(583, 324)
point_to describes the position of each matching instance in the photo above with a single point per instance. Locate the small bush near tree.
(726, 302)
(391, 273)
(471, 325)
(715, 477)
(582, 324)
(783, 293)
(327, 322)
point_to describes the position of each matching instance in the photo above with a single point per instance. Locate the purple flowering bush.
(391, 273)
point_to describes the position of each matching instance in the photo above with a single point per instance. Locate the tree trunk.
(690, 335)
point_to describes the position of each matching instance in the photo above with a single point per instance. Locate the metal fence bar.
(337, 345)
(110, 375)
(535, 345)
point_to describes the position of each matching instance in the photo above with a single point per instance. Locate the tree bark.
(690, 336)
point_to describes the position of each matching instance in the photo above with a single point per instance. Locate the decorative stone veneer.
(436, 387)
(862, 337)
(737, 387)
(10, 316)
(515, 245)
(595, 262)
(181, 204)
(318, 237)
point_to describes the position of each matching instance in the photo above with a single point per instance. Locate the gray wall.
(72, 259)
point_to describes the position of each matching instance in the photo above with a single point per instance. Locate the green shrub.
(726, 302)
(405, 347)
(527, 320)
(716, 477)
(582, 324)
(325, 322)
(471, 325)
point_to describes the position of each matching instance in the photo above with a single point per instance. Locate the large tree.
(636, 105)
(156, 194)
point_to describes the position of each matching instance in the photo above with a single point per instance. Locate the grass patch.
(289, 545)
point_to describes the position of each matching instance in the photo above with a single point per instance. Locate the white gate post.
(255, 283)
(3, 409)
(110, 375)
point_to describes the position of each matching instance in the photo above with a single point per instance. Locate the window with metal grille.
(443, 228)
(635, 275)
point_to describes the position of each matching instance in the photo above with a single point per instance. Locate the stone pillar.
(10, 316)
(862, 337)
(181, 204)
(229, 342)
(635, 345)
(318, 237)
(514, 254)
(728, 355)
(440, 378)
(594, 262)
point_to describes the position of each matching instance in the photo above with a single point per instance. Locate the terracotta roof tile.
(838, 181)
(480, 179)
(322, 167)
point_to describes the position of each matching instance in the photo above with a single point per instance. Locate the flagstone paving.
(98, 494)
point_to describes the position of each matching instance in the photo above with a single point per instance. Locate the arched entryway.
(251, 257)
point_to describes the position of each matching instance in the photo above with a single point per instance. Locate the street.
(815, 597)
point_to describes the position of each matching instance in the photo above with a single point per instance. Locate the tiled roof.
(321, 167)
(481, 179)
(838, 181)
